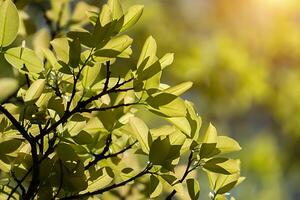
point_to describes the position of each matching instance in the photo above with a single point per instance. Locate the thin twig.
(102, 156)
(111, 187)
(89, 110)
(186, 173)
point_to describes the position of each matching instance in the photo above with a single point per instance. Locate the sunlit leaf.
(24, 59)
(222, 165)
(116, 9)
(148, 52)
(35, 90)
(166, 60)
(193, 188)
(226, 144)
(9, 22)
(156, 187)
(132, 16)
(141, 132)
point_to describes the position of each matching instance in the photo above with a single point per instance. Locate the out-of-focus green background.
(244, 59)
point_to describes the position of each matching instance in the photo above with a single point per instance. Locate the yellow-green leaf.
(9, 22)
(226, 144)
(179, 89)
(166, 60)
(24, 59)
(141, 131)
(132, 16)
(148, 52)
(35, 90)
(116, 9)
(193, 188)
(61, 48)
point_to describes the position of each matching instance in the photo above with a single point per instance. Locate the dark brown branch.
(111, 90)
(76, 78)
(89, 110)
(108, 73)
(102, 156)
(16, 124)
(80, 106)
(111, 187)
(35, 175)
(18, 182)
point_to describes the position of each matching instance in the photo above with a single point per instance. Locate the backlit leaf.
(193, 188)
(141, 132)
(35, 90)
(132, 16)
(9, 22)
(24, 59)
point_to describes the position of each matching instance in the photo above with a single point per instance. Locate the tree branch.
(76, 78)
(102, 156)
(18, 182)
(89, 110)
(111, 187)
(80, 106)
(16, 124)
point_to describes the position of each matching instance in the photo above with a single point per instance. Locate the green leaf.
(61, 48)
(181, 123)
(155, 188)
(227, 145)
(166, 105)
(74, 52)
(66, 153)
(114, 47)
(90, 75)
(166, 60)
(9, 146)
(221, 183)
(148, 52)
(116, 9)
(223, 165)
(9, 22)
(49, 55)
(132, 16)
(105, 15)
(76, 124)
(163, 153)
(100, 182)
(24, 59)
(209, 143)
(210, 135)
(151, 73)
(141, 132)
(84, 37)
(83, 138)
(35, 90)
(194, 120)
(193, 188)
(179, 89)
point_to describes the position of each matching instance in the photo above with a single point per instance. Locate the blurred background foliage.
(244, 59)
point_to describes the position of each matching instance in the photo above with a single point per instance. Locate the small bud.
(23, 44)
(211, 195)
